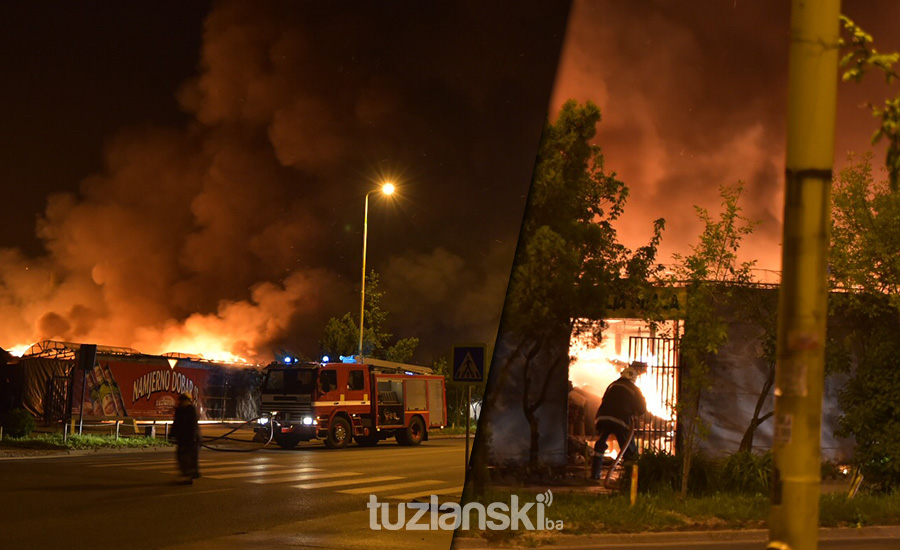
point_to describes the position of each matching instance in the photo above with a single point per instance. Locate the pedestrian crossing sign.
(468, 363)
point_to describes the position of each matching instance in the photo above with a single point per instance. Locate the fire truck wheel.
(413, 434)
(339, 434)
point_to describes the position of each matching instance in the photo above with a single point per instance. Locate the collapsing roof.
(52, 349)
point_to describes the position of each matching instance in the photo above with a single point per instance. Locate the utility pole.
(803, 300)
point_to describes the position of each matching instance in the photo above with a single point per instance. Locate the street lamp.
(387, 189)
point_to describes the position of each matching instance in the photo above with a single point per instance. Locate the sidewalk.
(562, 541)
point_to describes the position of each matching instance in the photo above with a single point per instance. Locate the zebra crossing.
(394, 487)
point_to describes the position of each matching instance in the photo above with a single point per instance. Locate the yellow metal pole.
(634, 483)
(802, 309)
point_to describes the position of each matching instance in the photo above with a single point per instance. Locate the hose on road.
(224, 437)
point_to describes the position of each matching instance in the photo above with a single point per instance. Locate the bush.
(869, 400)
(18, 423)
(658, 471)
(742, 472)
(705, 476)
(746, 472)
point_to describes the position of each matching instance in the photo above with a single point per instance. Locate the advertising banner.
(146, 388)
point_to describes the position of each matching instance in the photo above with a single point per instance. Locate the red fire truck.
(366, 401)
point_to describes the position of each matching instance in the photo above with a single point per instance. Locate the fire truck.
(366, 401)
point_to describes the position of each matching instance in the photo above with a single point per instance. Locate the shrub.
(706, 475)
(18, 423)
(658, 471)
(746, 472)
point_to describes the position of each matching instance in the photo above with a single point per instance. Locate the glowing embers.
(594, 366)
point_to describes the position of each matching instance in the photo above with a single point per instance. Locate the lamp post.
(387, 189)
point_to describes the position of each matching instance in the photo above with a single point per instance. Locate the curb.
(600, 540)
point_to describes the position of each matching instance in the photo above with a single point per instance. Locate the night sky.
(173, 170)
(694, 95)
(179, 171)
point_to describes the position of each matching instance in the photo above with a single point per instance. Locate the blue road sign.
(468, 363)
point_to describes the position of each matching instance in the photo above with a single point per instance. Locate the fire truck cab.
(366, 401)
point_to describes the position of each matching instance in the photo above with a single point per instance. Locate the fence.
(661, 390)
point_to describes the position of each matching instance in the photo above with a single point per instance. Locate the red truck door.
(357, 392)
(329, 393)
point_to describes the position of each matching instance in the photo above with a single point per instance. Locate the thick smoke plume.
(694, 96)
(241, 232)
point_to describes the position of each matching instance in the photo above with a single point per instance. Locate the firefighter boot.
(596, 467)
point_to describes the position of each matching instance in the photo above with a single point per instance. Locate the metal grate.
(57, 399)
(660, 388)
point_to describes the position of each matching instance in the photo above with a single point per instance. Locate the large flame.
(211, 347)
(20, 350)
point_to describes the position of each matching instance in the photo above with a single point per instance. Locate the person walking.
(186, 432)
(622, 401)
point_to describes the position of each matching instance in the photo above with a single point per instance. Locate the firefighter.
(186, 432)
(622, 401)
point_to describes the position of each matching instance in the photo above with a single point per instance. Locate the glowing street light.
(387, 189)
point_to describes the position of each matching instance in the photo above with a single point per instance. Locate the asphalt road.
(306, 497)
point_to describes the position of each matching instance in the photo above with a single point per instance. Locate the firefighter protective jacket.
(621, 401)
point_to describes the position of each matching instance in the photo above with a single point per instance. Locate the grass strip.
(590, 513)
(55, 441)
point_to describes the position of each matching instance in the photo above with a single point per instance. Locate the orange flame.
(20, 350)
(204, 346)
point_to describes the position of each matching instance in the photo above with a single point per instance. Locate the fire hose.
(621, 453)
(224, 437)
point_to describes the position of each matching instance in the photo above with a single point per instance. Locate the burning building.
(57, 381)
(738, 400)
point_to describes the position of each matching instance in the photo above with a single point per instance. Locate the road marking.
(304, 477)
(226, 468)
(207, 464)
(444, 491)
(263, 473)
(149, 463)
(406, 452)
(141, 463)
(345, 482)
(391, 487)
(215, 469)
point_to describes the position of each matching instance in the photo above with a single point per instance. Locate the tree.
(710, 272)
(457, 393)
(568, 262)
(761, 309)
(860, 59)
(865, 237)
(341, 335)
(865, 268)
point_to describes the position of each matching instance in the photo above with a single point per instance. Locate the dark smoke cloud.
(241, 229)
(443, 293)
(693, 96)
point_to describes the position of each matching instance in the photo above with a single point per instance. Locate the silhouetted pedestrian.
(186, 432)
